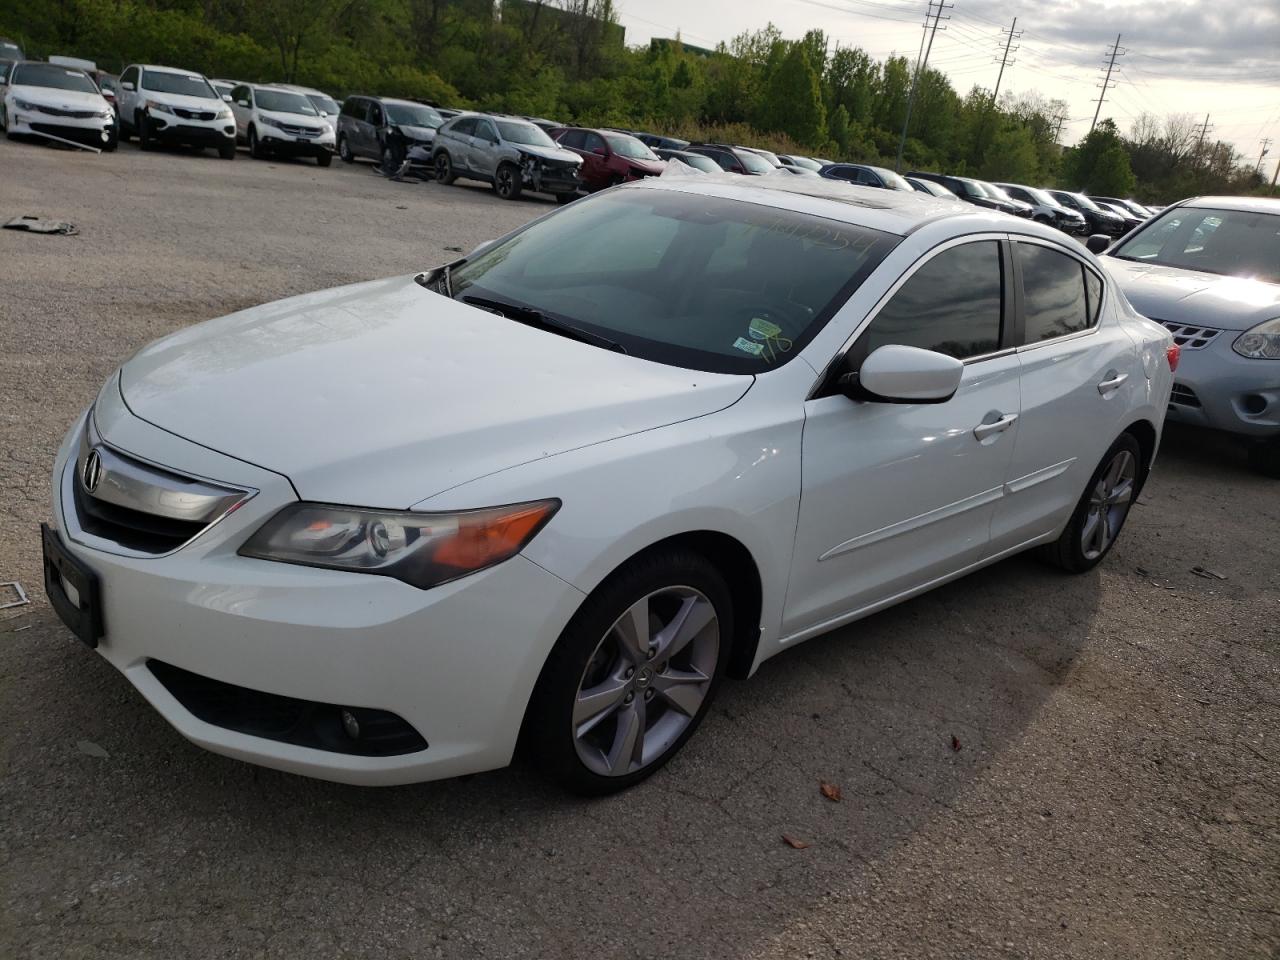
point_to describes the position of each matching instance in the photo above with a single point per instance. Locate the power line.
(1115, 52)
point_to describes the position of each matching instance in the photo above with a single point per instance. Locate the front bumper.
(213, 133)
(285, 145)
(457, 662)
(91, 131)
(1216, 387)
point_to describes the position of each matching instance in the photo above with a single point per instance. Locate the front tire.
(506, 182)
(633, 674)
(227, 151)
(563, 198)
(1099, 517)
(324, 159)
(142, 124)
(344, 150)
(256, 149)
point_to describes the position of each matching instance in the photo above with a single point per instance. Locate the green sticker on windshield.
(748, 346)
(762, 329)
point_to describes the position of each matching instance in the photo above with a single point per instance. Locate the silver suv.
(513, 155)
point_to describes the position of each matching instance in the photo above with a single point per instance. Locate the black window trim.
(1020, 317)
(825, 385)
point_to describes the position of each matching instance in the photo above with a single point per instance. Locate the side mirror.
(241, 103)
(1097, 243)
(226, 97)
(127, 85)
(899, 374)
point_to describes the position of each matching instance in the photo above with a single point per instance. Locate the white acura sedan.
(555, 491)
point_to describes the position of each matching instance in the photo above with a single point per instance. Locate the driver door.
(484, 148)
(898, 495)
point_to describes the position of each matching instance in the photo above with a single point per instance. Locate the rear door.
(1081, 375)
(369, 127)
(898, 495)
(595, 160)
(484, 148)
(460, 143)
(242, 109)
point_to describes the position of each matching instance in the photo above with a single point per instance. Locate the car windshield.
(10, 50)
(805, 162)
(996, 192)
(1039, 196)
(1234, 243)
(698, 162)
(284, 101)
(701, 282)
(769, 158)
(325, 105)
(973, 188)
(893, 180)
(184, 84)
(629, 147)
(754, 162)
(514, 131)
(1084, 201)
(413, 115)
(50, 75)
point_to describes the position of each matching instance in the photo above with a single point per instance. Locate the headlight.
(422, 549)
(1260, 343)
(223, 114)
(24, 105)
(326, 126)
(267, 121)
(158, 107)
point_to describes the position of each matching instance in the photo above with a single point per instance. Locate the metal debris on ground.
(40, 225)
(1208, 574)
(12, 595)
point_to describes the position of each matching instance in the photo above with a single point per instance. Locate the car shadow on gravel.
(903, 712)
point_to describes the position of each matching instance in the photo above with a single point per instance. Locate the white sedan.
(58, 103)
(554, 492)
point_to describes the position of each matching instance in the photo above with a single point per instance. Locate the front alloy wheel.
(507, 182)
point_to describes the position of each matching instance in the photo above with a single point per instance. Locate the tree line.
(565, 59)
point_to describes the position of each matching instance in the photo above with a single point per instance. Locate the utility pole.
(920, 68)
(1114, 52)
(1057, 131)
(1275, 176)
(1265, 144)
(1204, 128)
(1004, 60)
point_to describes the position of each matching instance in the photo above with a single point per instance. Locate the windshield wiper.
(536, 318)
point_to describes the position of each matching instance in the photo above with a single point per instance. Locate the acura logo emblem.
(91, 473)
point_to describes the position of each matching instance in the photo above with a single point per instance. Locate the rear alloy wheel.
(344, 150)
(507, 181)
(444, 168)
(633, 674)
(1099, 516)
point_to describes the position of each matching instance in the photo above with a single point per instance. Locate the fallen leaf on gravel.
(454, 249)
(1142, 571)
(829, 790)
(955, 743)
(1208, 574)
(91, 748)
(793, 843)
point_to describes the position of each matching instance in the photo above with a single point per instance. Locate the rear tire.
(506, 181)
(1265, 458)
(624, 650)
(444, 168)
(1099, 517)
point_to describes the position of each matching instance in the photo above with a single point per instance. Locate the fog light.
(1254, 404)
(350, 724)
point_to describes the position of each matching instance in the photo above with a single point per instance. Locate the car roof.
(398, 101)
(890, 211)
(1246, 204)
(158, 69)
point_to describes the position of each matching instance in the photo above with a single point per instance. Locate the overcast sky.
(1184, 56)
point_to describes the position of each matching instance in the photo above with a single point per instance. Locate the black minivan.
(387, 130)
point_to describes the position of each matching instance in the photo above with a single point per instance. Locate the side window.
(375, 114)
(464, 127)
(1093, 289)
(130, 75)
(726, 160)
(350, 107)
(1019, 194)
(868, 179)
(1053, 294)
(953, 304)
(485, 130)
(593, 142)
(240, 93)
(845, 173)
(572, 138)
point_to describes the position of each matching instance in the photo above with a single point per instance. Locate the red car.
(608, 157)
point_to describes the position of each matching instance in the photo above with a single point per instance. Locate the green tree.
(793, 100)
(1099, 163)
(838, 127)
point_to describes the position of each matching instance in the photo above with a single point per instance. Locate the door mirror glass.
(1097, 243)
(243, 103)
(899, 374)
(126, 85)
(226, 97)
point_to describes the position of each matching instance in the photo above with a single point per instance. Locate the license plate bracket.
(82, 616)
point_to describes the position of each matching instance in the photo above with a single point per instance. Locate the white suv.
(164, 105)
(278, 122)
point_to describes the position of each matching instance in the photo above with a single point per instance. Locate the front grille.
(194, 114)
(1188, 336)
(305, 723)
(132, 529)
(75, 114)
(1184, 396)
(294, 130)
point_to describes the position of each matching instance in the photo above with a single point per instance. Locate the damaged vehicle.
(58, 103)
(513, 155)
(398, 134)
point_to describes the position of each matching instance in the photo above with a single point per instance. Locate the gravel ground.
(1110, 791)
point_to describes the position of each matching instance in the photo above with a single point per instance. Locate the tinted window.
(485, 131)
(131, 75)
(50, 75)
(594, 142)
(721, 285)
(465, 127)
(352, 107)
(1053, 294)
(241, 93)
(182, 84)
(375, 114)
(952, 304)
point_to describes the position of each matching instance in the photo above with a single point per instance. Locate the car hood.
(1187, 296)
(384, 394)
(651, 167)
(49, 97)
(548, 153)
(185, 102)
(293, 119)
(416, 133)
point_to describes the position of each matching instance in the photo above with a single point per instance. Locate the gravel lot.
(1114, 793)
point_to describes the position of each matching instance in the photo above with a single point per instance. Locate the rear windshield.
(1234, 243)
(51, 75)
(184, 84)
(702, 282)
(284, 101)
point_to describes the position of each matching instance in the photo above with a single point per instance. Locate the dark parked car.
(1044, 209)
(794, 160)
(968, 190)
(1099, 220)
(608, 157)
(389, 131)
(865, 176)
(1020, 207)
(1130, 218)
(655, 141)
(1137, 209)
(734, 159)
(931, 187)
(695, 160)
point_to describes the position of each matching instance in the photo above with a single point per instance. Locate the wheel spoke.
(694, 615)
(1122, 492)
(682, 689)
(596, 704)
(628, 742)
(1103, 536)
(1116, 469)
(1091, 524)
(632, 629)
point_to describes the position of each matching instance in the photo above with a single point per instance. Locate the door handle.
(1106, 386)
(984, 430)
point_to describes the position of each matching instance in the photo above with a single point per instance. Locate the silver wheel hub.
(646, 681)
(1109, 504)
